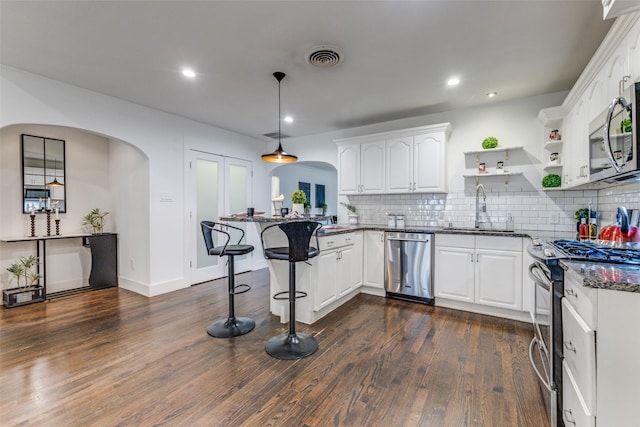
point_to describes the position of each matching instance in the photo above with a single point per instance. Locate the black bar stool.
(232, 326)
(293, 345)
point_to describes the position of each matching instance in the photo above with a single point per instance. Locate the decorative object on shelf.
(95, 220)
(57, 227)
(625, 125)
(277, 204)
(298, 198)
(482, 168)
(500, 167)
(554, 135)
(307, 208)
(551, 181)
(279, 156)
(32, 216)
(48, 222)
(489, 142)
(554, 159)
(31, 291)
(324, 209)
(353, 216)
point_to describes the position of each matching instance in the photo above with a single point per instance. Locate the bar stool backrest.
(299, 234)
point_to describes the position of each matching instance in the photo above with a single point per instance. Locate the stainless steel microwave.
(613, 139)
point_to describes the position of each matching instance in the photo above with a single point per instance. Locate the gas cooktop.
(598, 251)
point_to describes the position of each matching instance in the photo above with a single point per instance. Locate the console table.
(104, 256)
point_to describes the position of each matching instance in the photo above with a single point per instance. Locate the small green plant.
(324, 208)
(298, 197)
(349, 207)
(95, 220)
(23, 268)
(490, 142)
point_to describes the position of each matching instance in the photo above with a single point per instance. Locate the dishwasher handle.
(402, 239)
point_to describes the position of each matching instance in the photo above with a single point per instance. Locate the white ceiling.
(397, 55)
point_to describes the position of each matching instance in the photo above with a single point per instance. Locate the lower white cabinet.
(373, 262)
(339, 268)
(485, 270)
(601, 347)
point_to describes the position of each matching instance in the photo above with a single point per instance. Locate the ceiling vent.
(274, 135)
(324, 56)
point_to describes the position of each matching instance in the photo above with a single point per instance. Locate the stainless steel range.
(545, 350)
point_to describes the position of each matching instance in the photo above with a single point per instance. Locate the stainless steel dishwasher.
(408, 271)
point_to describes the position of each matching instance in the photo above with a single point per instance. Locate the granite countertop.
(269, 218)
(599, 275)
(346, 228)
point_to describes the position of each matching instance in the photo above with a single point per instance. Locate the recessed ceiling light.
(288, 119)
(187, 72)
(492, 94)
(453, 81)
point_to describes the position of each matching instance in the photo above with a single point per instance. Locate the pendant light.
(279, 156)
(55, 182)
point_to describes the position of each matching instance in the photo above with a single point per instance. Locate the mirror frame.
(35, 185)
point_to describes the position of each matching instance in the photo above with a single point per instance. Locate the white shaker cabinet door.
(399, 165)
(429, 163)
(373, 270)
(454, 273)
(499, 278)
(372, 167)
(349, 169)
(327, 277)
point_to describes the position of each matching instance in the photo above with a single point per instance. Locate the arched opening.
(322, 180)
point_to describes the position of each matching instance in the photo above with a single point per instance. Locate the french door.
(217, 186)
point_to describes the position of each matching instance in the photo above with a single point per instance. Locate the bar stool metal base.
(289, 347)
(231, 327)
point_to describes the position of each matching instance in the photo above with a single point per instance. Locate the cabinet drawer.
(583, 300)
(574, 412)
(579, 347)
(499, 243)
(455, 240)
(335, 241)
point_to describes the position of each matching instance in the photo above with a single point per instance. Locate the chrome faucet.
(484, 203)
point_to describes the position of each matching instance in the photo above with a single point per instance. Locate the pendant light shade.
(55, 182)
(279, 156)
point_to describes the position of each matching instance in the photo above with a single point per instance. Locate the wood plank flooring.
(115, 358)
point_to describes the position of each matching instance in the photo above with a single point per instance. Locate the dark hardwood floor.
(112, 357)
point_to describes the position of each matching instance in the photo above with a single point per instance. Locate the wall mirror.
(43, 174)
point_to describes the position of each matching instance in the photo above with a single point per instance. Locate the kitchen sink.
(335, 227)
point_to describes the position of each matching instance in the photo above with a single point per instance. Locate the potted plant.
(324, 209)
(298, 198)
(95, 220)
(353, 217)
(307, 208)
(28, 291)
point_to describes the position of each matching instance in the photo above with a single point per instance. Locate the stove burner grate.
(592, 252)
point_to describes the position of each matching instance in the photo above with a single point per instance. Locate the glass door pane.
(238, 198)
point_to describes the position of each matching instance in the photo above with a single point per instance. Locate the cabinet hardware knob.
(571, 292)
(569, 346)
(566, 414)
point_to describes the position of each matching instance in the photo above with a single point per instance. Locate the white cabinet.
(485, 270)
(615, 8)
(339, 268)
(373, 263)
(361, 168)
(416, 163)
(403, 161)
(601, 379)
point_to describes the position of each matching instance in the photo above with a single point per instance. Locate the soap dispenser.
(509, 226)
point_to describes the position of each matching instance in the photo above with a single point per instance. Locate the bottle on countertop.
(593, 226)
(584, 228)
(400, 221)
(509, 226)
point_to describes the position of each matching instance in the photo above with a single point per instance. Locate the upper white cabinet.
(361, 168)
(615, 8)
(404, 161)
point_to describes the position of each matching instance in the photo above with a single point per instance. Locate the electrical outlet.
(166, 197)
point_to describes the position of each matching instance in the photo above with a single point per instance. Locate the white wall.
(162, 138)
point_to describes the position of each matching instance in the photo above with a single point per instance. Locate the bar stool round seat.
(232, 326)
(294, 345)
